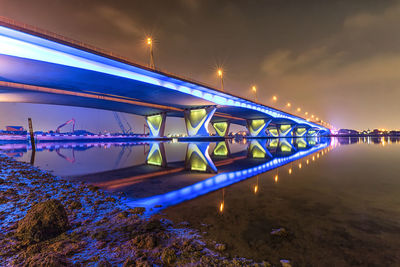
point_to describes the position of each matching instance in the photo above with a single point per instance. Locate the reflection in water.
(336, 207)
(263, 155)
(182, 171)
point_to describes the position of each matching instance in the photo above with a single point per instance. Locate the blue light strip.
(216, 182)
(23, 45)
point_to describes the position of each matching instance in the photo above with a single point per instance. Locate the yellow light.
(306, 113)
(276, 178)
(299, 165)
(317, 118)
(313, 158)
(221, 207)
(288, 104)
(290, 171)
(255, 189)
(219, 72)
(298, 109)
(274, 98)
(312, 116)
(307, 162)
(149, 41)
(318, 156)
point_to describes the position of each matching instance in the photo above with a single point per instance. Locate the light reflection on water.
(338, 199)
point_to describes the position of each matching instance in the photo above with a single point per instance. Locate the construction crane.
(66, 123)
(121, 125)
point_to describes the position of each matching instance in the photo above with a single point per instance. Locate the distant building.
(347, 132)
(14, 128)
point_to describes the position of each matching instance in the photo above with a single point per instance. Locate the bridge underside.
(37, 68)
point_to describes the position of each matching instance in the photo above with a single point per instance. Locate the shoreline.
(103, 231)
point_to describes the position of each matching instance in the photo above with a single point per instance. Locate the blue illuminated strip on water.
(216, 182)
(23, 45)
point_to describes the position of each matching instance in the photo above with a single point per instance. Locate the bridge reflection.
(225, 168)
(166, 174)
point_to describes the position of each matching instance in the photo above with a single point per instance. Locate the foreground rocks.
(43, 221)
(46, 221)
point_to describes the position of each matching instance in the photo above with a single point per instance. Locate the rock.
(75, 205)
(43, 221)
(138, 210)
(220, 247)
(100, 244)
(145, 241)
(168, 256)
(279, 232)
(103, 263)
(129, 262)
(153, 225)
(48, 260)
(123, 215)
(285, 263)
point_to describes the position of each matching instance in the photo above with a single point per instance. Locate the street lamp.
(274, 98)
(288, 105)
(254, 89)
(149, 42)
(220, 74)
(298, 109)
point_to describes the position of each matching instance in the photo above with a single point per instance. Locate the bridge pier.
(156, 155)
(257, 127)
(156, 124)
(299, 131)
(197, 120)
(258, 149)
(198, 159)
(285, 130)
(221, 128)
(311, 132)
(272, 131)
(221, 149)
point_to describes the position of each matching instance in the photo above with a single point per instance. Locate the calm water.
(337, 200)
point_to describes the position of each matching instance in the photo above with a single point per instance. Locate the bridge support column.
(285, 130)
(257, 127)
(156, 155)
(273, 131)
(198, 159)
(197, 121)
(311, 132)
(258, 149)
(286, 145)
(299, 131)
(222, 128)
(221, 149)
(156, 124)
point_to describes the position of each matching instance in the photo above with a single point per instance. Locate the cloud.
(351, 71)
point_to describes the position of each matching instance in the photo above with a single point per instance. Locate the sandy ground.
(102, 230)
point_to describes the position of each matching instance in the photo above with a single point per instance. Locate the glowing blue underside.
(23, 45)
(217, 182)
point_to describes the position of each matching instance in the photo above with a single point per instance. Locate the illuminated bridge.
(41, 67)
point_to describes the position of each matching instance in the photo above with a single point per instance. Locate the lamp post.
(254, 89)
(220, 75)
(149, 42)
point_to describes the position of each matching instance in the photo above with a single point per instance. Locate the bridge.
(37, 66)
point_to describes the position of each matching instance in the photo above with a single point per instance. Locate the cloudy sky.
(339, 60)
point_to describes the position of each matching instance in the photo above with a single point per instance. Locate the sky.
(339, 60)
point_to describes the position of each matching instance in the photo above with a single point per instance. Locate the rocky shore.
(47, 221)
